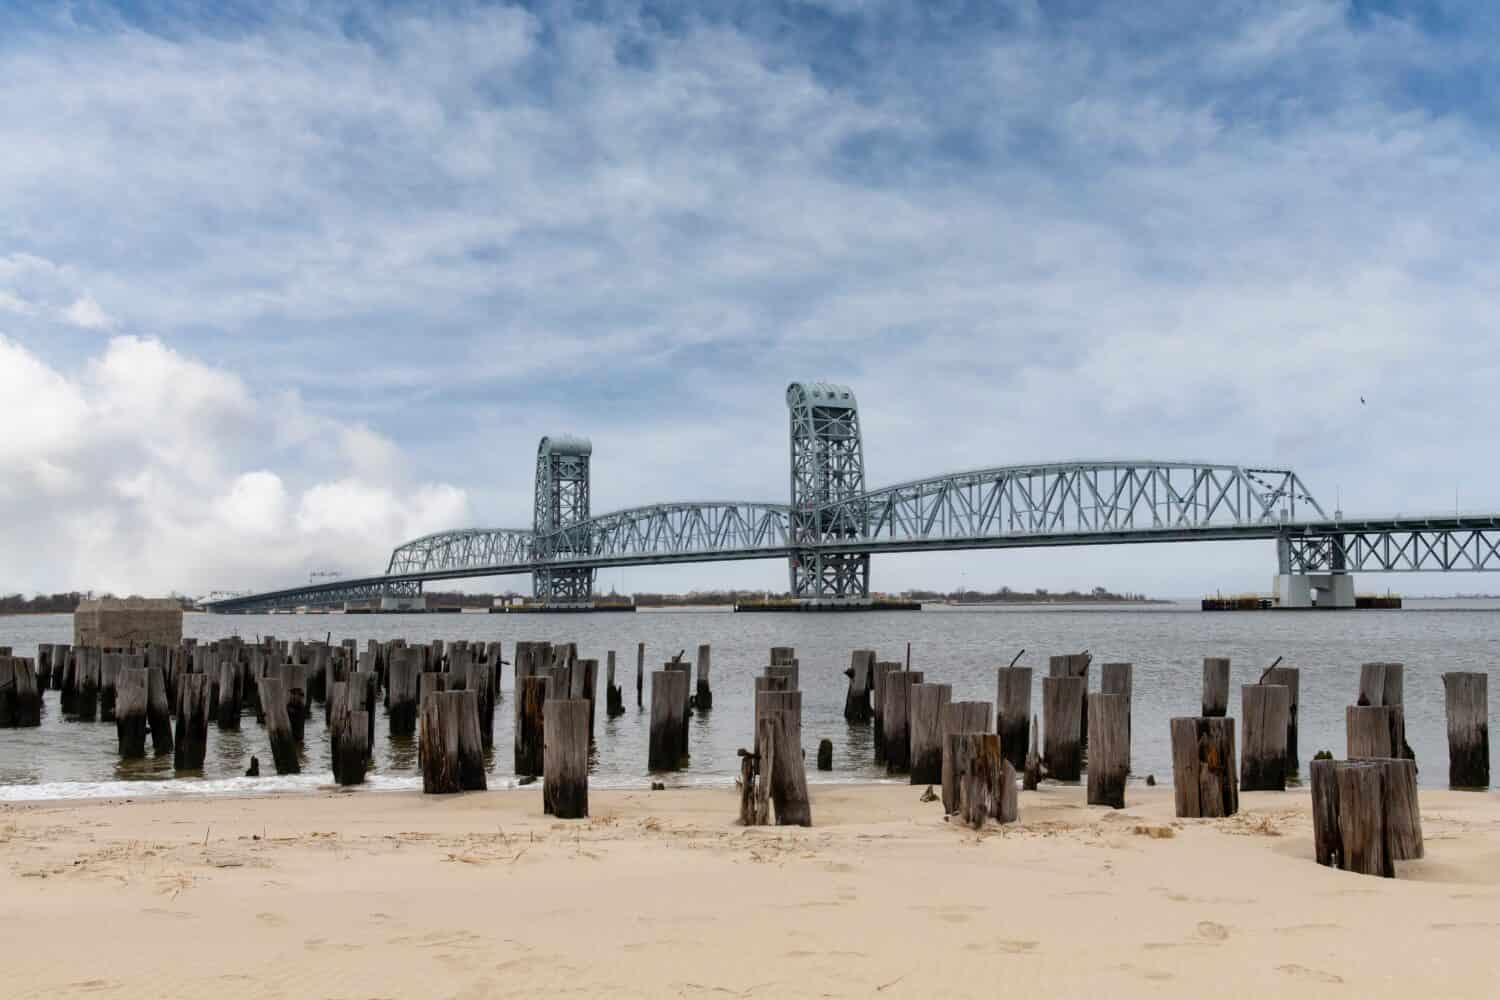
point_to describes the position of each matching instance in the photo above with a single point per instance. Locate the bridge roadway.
(1066, 504)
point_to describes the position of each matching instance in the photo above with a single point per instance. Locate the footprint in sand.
(1310, 975)
(1003, 946)
(1210, 931)
(271, 919)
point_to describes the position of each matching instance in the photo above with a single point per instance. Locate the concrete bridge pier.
(1333, 589)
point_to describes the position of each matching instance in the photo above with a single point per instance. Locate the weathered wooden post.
(959, 717)
(640, 671)
(926, 727)
(479, 679)
(1373, 731)
(1109, 750)
(531, 700)
(351, 748)
(44, 665)
(588, 684)
(190, 744)
(790, 671)
(279, 726)
(20, 695)
(565, 765)
(1205, 781)
(294, 680)
(1032, 776)
(1403, 814)
(1062, 727)
(1075, 665)
(1364, 845)
(825, 755)
(227, 712)
(1264, 711)
(158, 711)
(449, 745)
(896, 719)
(779, 731)
(668, 720)
(130, 712)
(427, 684)
(1215, 687)
(882, 670)
(614, 697)
(1467, 705)
(403, 690)
(1116, 678)
(857, 700)
(1013, 711)
(982, 778)
(783, 656)
(1327, 846)
(62, 663)
(1291, 679)
(769, 697)
(677, 666)
(110, 665)
(704, 696)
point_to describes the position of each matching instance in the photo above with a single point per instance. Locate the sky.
(283, 285)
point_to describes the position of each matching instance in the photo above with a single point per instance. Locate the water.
(960, 646)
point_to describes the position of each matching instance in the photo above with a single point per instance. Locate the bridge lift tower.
(828, 469)
(562, 503)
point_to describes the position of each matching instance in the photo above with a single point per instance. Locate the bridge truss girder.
(1460, 544)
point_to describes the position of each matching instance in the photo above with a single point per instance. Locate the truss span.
(1105, 498)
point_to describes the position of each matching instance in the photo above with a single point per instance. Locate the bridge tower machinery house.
(828, 471)
(560, 520)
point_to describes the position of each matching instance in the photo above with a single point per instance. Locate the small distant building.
(133, 621)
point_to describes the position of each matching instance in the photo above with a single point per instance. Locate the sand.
(661, 894)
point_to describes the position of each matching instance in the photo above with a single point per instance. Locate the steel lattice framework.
(833, 523)
(1457, 544)
(828, 470)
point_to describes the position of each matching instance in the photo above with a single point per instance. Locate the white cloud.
(87, 313)
(143, 473)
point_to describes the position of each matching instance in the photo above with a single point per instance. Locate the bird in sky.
(1361, 401)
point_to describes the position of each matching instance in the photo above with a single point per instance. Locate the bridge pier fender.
(1315, 590)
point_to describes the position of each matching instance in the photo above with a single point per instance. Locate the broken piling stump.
(668, 720)
(1264, 711)
(1109, 750)
(1215, 687)
(1013, 713)
(279, 726)
(1205, 781)
(565, 765)
(1062, 726)
(926, 729)
(959, 717)
(1466, 705)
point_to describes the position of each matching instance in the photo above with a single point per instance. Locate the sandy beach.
(661, 894)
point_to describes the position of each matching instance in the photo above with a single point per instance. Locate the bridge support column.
(820, 578)
(1315, 590)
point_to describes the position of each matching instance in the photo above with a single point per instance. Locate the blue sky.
(283, 283)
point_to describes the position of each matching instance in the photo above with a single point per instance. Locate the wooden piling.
(979, 772)
(881, 671)
(1264, 711)
(450, 750)
(1327, 846)
(959, 717)
(1364, 843)
(480, 679)
(427, 683)
(588, 674)
(294, 680)
(227, 711)
(926, 732)
(1062, 727)
(780, 730)
(190, 742)
(1109, 750)
(703, 698)
(1215, 687)
(1466, 704)
(351, 747)
(1291, 679)
(640, 671)
(130, 712)
(896, 719)
(1373, 731)
(1205, 781)
(783, 655)
(279, 726)
(158, 711)
(403, 691)
(1013, 712)
(861, 674)
(1403, 814)
(679, 667)
(614, 696)
(1116, 678)
(110, 665)
(1032, 776)
(530, 733)
(565, 765)
(825, 755)
(1075, 665)
(790, 671)
(20, 694)
(668, 720)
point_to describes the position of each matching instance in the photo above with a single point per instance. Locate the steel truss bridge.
(834, 524)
